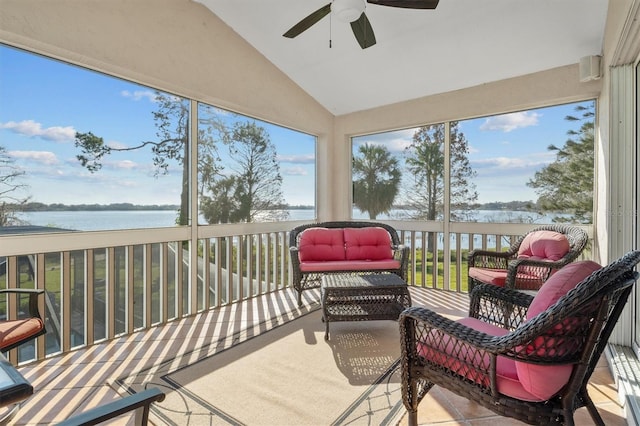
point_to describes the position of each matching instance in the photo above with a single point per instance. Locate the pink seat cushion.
(499, 277)
(14, 331)
(321, 244)
(541, 380)
(372, 243)
(544, 245)
(440, 351)
(489, 276)
(350, 265)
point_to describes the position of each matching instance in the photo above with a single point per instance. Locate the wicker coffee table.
(352, 297)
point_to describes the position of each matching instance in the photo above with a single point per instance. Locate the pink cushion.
(321, 244)
(440, 351)
(547, 245)
(544, 381)
(499, 277)
(559, 284)
(14, 331)
(372, 243)
(349, 265)
(489, 276)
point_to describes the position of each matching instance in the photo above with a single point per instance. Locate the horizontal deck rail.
(102, 285)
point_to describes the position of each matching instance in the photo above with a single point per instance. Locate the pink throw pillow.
(559, 284)
(544, 245)
(371, 243)
(318, 244)
(545, 381)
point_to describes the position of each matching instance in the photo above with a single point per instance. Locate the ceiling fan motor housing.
(347, 10)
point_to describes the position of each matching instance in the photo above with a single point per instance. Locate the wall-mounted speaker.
(589, 68)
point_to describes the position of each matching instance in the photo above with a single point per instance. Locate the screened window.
(252, 171)
(80, 150)
(534, 166)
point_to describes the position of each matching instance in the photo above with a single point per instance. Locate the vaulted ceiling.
(462, 43)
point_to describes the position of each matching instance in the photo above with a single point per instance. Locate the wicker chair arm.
(500, 306)
(540, 269)
(534, 263)
(427, 320)
(490, 259)
(33, 293)
(401, 253)
(467, 343)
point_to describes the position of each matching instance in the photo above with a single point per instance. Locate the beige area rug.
(288, 375)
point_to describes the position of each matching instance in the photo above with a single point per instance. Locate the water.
(140, 219)
(102, 220)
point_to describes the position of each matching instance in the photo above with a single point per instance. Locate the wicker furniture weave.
(527, 274)
(349, 297)
(303, 280)
(586, 315)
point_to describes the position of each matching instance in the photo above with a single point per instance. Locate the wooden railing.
(100, 285)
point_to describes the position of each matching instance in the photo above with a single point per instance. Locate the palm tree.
(376, 179)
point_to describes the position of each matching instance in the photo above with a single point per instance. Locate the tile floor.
(82, 379)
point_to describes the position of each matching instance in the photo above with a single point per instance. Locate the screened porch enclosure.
(107, 283)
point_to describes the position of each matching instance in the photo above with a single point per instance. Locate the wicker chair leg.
(412, 418)
(593, 411)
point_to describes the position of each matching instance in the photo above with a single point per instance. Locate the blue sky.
(504, 150)
(43, 103)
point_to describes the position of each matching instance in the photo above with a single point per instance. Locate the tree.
(425, 162)
(172, 123)
(376, 180)
(223, 203)
(567, 183)
(252, 188)
(11, 202)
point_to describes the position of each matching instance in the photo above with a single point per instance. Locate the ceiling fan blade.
(363, 31)
(307, 22)
(407, 4)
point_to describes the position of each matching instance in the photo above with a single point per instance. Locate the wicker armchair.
(303, 280)
(515, 371)
(554, 246)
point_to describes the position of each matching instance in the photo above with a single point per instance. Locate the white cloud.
(139, 95)
(508, 122)
(33, 129)
(294, 171)
(395, 145)
(535, 161)
(42, 157)
(125, 164)
(297, 159)
(396, 141)
(116, 145)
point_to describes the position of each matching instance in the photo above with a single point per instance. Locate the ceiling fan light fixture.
(347, 10)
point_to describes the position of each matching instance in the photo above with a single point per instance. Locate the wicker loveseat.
(524, 357)
(344, 247)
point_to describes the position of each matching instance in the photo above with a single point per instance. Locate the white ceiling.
(462, 43)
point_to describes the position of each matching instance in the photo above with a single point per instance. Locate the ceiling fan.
(353, 11)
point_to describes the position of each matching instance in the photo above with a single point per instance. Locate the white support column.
(622, 194)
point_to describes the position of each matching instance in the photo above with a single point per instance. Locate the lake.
(136, 219)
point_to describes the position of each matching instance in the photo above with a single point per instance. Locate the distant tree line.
(41, 207)
(247, 186)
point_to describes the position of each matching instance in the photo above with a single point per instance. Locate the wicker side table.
(353, 297)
